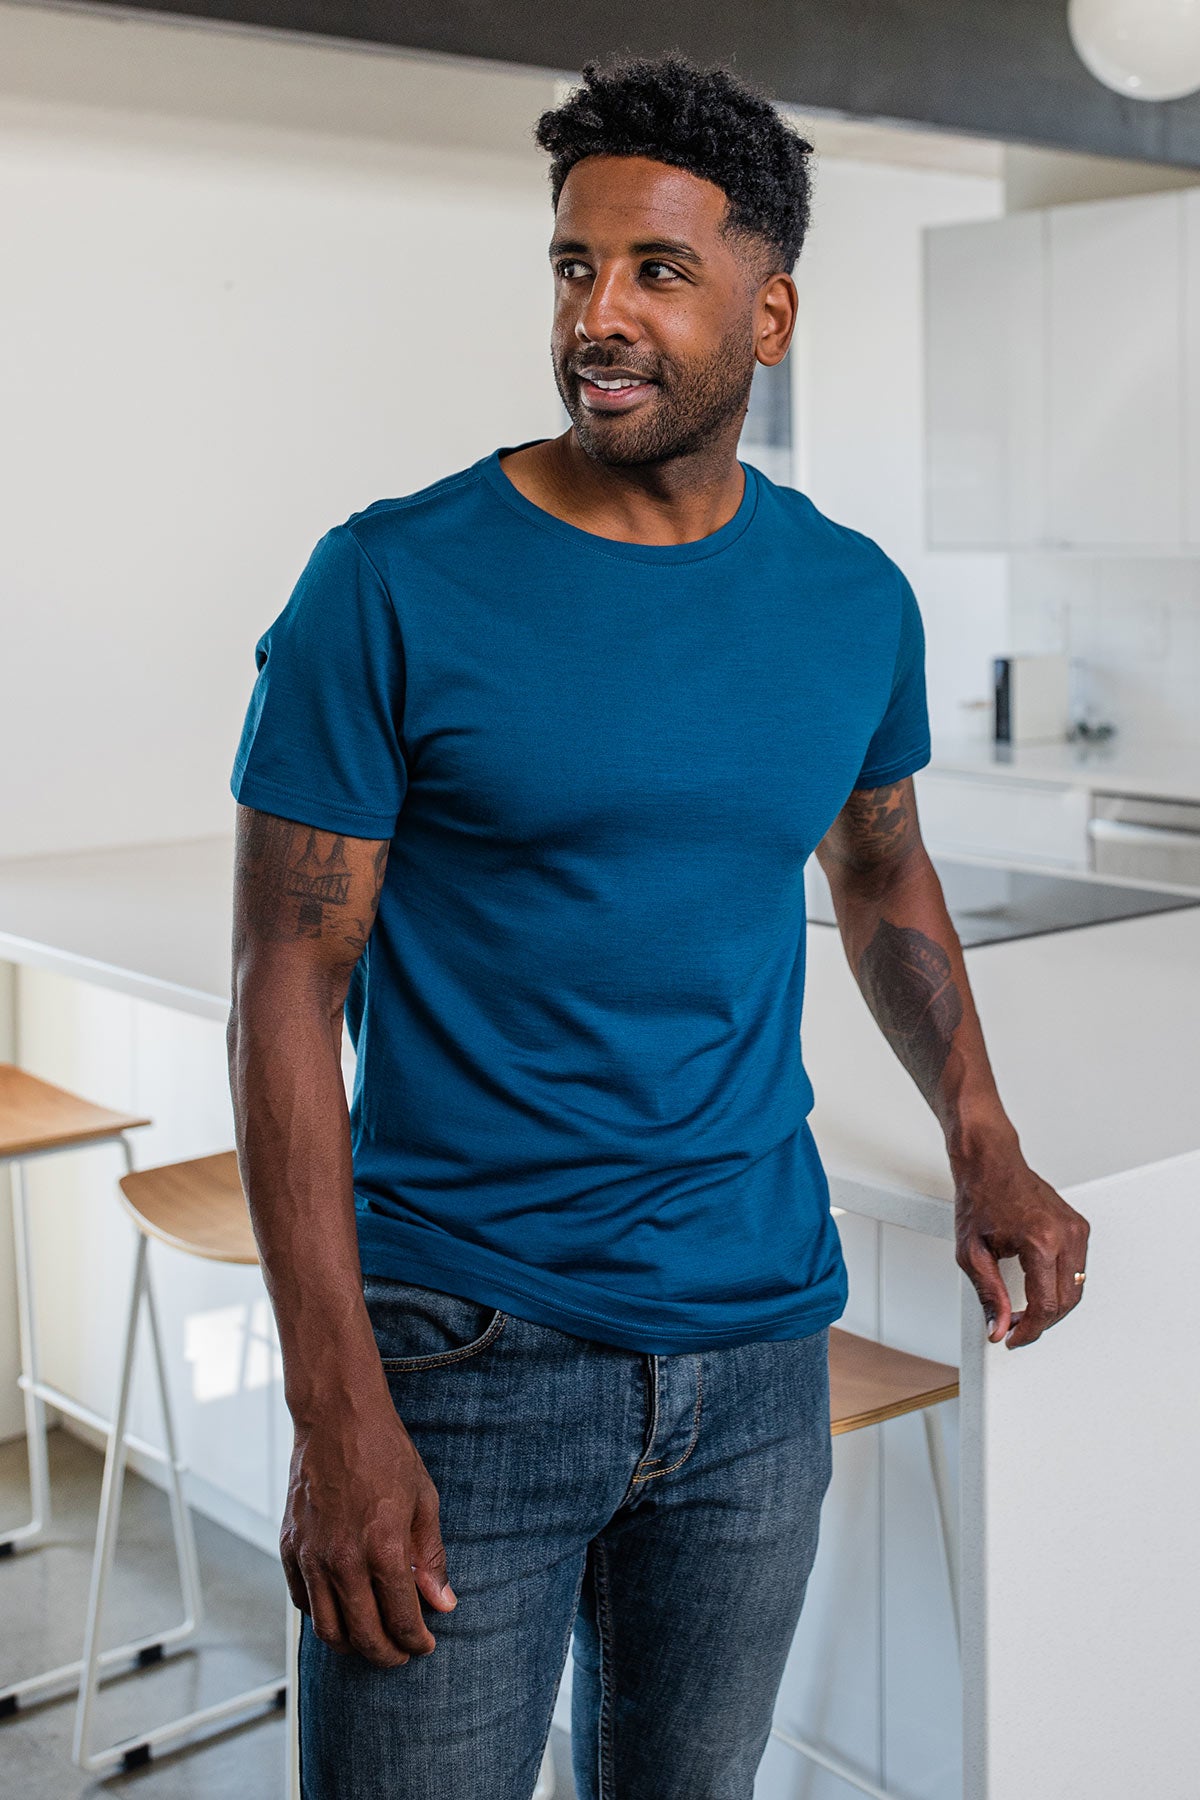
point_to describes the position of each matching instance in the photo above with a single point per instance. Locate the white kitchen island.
(1079, 1456)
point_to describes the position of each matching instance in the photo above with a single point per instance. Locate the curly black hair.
(706, 121)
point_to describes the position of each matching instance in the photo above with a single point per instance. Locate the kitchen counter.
(1094, 1036)
(1117, 766)
(1103, 1022)
(154, 921)
(1079, 1457)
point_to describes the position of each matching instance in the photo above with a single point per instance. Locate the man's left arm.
(908, 962)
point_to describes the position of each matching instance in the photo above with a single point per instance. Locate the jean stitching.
(651, 1473)
(440, 1358)
(606, 1780)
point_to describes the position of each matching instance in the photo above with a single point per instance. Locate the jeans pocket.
(423, 1328)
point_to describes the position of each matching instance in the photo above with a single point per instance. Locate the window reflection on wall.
(766, 439)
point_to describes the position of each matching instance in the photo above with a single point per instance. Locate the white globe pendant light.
(1146, 49)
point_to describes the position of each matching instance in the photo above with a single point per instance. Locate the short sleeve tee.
(600, 767)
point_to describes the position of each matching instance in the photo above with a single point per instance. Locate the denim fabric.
(664, 1509)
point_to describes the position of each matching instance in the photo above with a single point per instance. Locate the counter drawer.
(981, 815)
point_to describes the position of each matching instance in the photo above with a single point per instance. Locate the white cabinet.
(1190, 214)
(984, 309)
(1002, 816)
(1114, 365)
(1063, 377)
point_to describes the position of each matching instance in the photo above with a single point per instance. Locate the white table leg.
(292, 1751)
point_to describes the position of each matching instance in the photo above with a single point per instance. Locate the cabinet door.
(1191, 353)
(985, 381)
(1115, 361)
(1003, 816)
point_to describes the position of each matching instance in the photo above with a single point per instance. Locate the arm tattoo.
(877, 821)
(359, 930)
(295, 882)
(907, 981)
(316, 882)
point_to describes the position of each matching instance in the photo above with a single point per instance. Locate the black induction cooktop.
(989, 903)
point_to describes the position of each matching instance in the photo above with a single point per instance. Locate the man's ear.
(775, 319)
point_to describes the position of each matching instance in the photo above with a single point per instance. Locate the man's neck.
(676, 502)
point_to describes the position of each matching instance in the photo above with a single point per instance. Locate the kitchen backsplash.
(1131, 626)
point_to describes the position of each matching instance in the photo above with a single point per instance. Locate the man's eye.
(566, 267)
(666, 267)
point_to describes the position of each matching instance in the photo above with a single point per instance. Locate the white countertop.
(1094, 1034)
(1123, 766)
(151, 920)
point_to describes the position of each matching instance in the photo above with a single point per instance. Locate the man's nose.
(608, 312)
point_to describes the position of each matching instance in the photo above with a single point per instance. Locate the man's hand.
(1003, 1209)
(360, 1540)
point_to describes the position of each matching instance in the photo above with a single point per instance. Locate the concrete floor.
(43, 1597)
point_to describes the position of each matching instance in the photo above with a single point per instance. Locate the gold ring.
(1079, 1275)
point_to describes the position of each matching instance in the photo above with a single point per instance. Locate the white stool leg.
(946, 1505)
(35, 1409)
(109, 1515)
(133, 1751)
(292, 1753)
(56, 1682)
(181, 1517)
(825, 1759)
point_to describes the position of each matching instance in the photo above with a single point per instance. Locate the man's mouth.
(612, 390)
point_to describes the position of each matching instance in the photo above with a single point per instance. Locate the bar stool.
(868, 1383)
(37, 1120)
(198, 1208)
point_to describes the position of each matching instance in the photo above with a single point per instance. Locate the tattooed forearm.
(908, 983)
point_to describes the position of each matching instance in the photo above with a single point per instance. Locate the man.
(531, 770)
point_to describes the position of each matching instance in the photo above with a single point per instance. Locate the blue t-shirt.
(601, 767)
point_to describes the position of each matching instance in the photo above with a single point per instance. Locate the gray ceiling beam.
(997, 68)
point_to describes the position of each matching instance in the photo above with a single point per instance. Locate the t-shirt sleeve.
(322, 740)
(901, 743)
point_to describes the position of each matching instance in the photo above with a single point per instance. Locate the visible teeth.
(622, 381)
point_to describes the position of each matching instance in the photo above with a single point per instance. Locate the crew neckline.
(696, 550)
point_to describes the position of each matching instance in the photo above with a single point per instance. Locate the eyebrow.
(662, 246)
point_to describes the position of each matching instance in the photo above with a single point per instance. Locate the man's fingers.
(1070, 1291)
(984, 1272)
(295, 1582)
(1041, 1296)
(400, 1611)
(366, 1632)
(323, 1610)
(429, 1557)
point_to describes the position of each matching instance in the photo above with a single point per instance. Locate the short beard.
(692, 409)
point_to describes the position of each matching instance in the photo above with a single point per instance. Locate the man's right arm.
(360, 1536)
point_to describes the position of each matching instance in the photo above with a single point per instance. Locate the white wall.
(255, 285)
(859, 402)
(258, 283)
(1132, 628)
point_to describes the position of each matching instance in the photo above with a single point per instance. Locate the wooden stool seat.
(35, 1116)
(870, 1382)
(196, 1206)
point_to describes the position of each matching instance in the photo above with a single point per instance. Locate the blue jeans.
(663, 1510)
